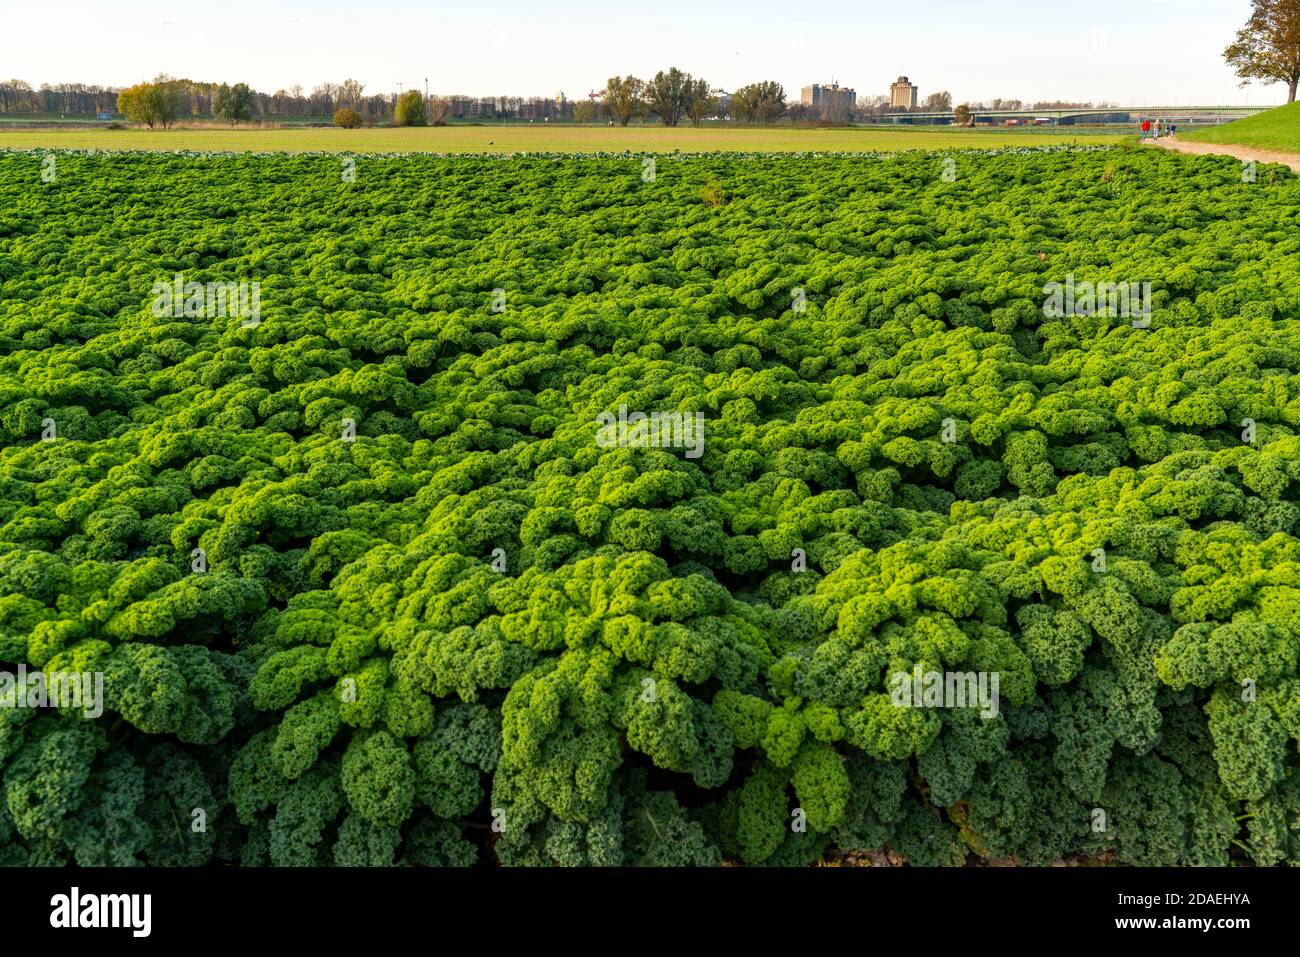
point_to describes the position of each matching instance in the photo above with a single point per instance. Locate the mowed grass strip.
(541, 138)
(1277, 129)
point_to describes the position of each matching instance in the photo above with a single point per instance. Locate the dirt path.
(1240, 152)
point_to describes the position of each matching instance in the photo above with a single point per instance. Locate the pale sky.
(1133, 52)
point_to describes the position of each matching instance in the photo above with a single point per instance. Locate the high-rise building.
(818, 95)
(902, 94)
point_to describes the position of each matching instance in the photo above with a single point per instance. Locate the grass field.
(499, 139)
(1277, 129)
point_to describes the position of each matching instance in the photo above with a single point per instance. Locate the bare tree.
(14, 95)
(835, 107)
(349, 93)
(324, 97)
(938, 102)
(870, 106)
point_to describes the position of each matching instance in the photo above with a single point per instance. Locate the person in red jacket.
(1146, 128)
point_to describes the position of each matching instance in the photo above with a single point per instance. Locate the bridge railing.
(1151, 111)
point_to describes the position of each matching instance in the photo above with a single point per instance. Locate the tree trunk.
(1295, 78)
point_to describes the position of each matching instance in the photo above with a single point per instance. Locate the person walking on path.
(1159, 127)
(1146, 128)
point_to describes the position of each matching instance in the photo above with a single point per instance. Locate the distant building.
(818, 95)
(902, 94)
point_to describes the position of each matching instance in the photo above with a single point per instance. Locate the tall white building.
(902, 94)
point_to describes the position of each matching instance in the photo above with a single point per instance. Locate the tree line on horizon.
(667, 98)
(1266, 49)
(181, 99)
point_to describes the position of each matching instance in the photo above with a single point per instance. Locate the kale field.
(613, 510)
